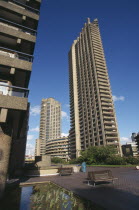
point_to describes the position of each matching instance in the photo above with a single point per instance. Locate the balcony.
(111, 137)
(12, 97)
(108, 118)
(102, 73)
(105, 94)
(103, 80)
(17, 27)
(102, 76)
(105, 99)
(32, 3)
(100, 62)
(24, 6)
(112, 142)
(108, 113)
(9, 36)
(104, 88)
(112, 132)
(106, 85)
(109, 122)
(111, 127)
(13, 90)
(15, 59)
(108, 105)
(19, 9)
(107, 108)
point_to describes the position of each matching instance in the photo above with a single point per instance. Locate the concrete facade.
(50, 122)
(93, 120)
(21, 10)
(14, 63)
(58, 148)
(18, 29)
(37, 147)
(13, 102)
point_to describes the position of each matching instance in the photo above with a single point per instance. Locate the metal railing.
(36, 11)
(15, 54)
(20, 27)
(13, 91)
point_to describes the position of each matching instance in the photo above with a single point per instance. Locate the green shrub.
(73, 161)
(103, 155)
(132, 160)
(57, 160)
(116, 160)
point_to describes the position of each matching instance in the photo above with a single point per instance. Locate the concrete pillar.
(5, 145)
(3, 115)
(18, 147)
(38, 145)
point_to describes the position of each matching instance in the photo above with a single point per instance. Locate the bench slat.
(100, 176)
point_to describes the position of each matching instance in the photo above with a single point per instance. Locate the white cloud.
(64, 115)
(64, 134)
(30, 137)
(30, 149)
(124, 140)
(120, 98)
(35, 129)
(35, 110)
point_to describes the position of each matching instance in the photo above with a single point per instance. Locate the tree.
(97, 154)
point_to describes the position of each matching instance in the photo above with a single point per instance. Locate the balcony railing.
(31, 9)
(15, 54)
(18, 27)
(13, 91)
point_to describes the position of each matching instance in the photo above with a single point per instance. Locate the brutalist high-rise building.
(18, 29)
(93, 121)
(50, 122)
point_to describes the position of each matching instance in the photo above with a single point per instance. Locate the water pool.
(46, 196)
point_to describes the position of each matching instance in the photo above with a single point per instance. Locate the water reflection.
(25, 198)
(44, 197)
(51, 196)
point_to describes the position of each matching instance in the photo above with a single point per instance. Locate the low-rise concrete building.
(137, 140)
(58, 147)
(130, 149)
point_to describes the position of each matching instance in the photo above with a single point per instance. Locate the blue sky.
(60, 23)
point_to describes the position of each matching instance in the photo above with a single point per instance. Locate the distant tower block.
(50, 122)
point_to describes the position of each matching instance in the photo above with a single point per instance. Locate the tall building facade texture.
(18, 29)
(50, 122)
(92, 114)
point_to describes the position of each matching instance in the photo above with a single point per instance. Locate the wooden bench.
(100, 176)
(65, 171)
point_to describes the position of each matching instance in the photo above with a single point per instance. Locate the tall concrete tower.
(93, 121)
(18, 29)
(50, 122)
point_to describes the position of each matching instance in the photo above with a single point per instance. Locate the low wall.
(42, 172)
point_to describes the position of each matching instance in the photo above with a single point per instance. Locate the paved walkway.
(123, 195)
